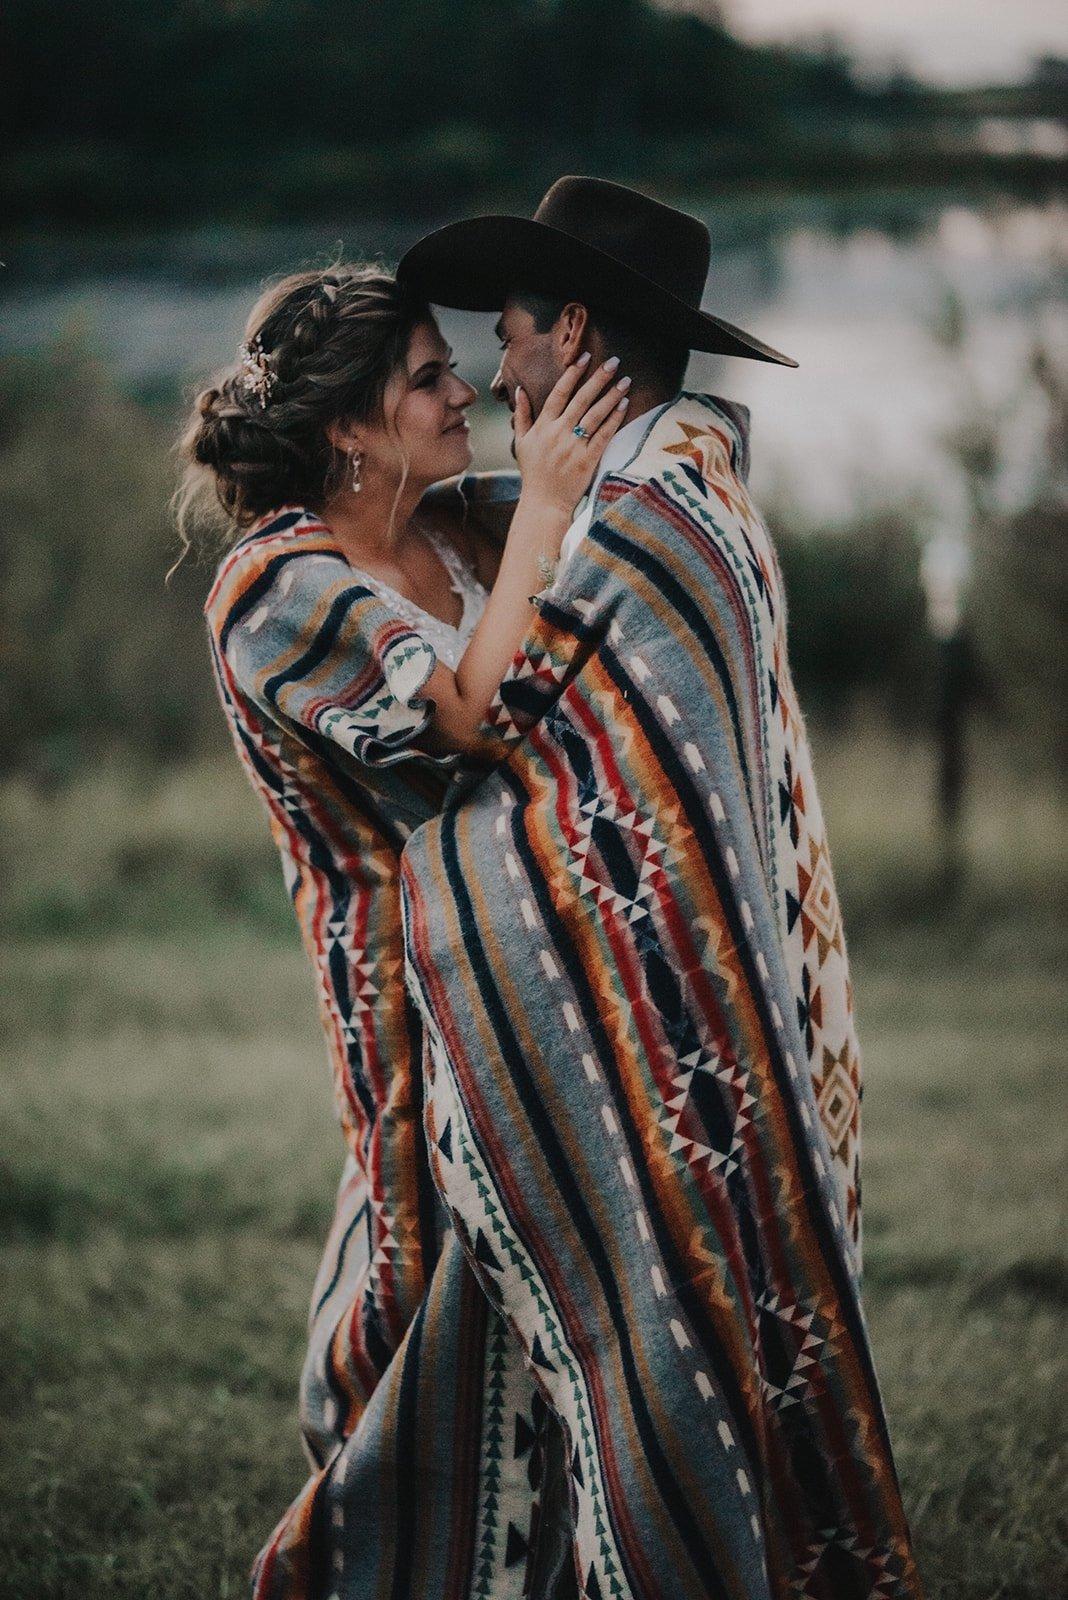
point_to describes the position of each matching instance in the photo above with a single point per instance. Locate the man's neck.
(645, 397)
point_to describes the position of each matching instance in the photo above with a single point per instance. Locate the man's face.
(529, 359)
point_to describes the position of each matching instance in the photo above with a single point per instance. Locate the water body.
(855, 292)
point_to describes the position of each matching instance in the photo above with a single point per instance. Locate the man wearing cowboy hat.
(647, 1028)
(599, 267)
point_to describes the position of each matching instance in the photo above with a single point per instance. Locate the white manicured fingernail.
(583, 358)
(623, 385)
(611, 364)
(624, 403)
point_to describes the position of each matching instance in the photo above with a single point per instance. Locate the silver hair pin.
(259, 379)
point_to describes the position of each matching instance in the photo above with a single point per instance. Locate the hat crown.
(667, 246)
(610, 247)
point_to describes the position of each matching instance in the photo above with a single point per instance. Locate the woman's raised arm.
(557, 467)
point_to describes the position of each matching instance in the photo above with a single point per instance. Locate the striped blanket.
(642, 1074)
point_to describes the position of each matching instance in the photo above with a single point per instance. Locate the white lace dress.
(449, 642)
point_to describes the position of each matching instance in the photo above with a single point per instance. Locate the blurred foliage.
(277, 109)
(855, 611)
(204, 74)
(1016, 605)
(1021, 613)
(95, 651)
(1020, 594)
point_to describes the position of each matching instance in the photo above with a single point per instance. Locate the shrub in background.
(95, 651)
(855, 615)
(1019, 599)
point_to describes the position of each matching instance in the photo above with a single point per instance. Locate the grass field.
(168, 1158)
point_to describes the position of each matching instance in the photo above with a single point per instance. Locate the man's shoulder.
(698, 434)
(475, 490)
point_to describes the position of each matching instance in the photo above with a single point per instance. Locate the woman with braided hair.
(369, 604)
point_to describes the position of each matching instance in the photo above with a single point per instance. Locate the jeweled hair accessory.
(258, 377)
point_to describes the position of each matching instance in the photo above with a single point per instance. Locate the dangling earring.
(356, 461)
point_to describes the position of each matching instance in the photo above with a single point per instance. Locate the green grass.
(168, 1158)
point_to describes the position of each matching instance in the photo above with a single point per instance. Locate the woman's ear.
(344, 437)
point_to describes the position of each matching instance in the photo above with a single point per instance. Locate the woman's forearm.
(536, 534)
(557, 453)
(464, 697)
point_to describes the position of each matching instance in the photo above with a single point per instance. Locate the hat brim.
(475, 264)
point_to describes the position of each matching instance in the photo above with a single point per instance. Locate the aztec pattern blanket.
(642, 1074)
(435, 1465)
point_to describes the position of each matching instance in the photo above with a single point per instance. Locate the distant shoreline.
(109, 191)
(230, 248)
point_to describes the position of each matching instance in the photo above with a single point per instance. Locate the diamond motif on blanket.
(710, 1093)
(599, 818)
(839, 1563)
(837, 1095)
(816, 903)
(792, 1340)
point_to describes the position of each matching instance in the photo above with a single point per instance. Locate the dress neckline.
(462, 581)
(462, 575)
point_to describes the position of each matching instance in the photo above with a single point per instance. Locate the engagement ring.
(579, 431)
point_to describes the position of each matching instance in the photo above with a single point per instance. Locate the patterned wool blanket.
(642, 1073)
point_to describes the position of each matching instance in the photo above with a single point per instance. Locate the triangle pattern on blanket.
(792, 1340)
(709, 1095)
(599, 826)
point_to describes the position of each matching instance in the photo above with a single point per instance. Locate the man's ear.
(570, 330)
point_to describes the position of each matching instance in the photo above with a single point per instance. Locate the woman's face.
(426, 406)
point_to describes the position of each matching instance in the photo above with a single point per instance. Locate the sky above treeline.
(944, 41)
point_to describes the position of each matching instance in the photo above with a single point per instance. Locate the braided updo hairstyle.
(323, 347)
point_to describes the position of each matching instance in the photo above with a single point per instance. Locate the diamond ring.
(579, 431)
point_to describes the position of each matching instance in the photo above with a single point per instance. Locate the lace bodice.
(449, 642)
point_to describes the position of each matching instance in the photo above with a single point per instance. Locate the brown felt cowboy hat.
(589, 240)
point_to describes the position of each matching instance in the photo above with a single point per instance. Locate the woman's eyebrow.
(438, 361)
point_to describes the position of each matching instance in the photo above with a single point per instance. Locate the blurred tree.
(204, 104)
(1020, 594)
(855, 617)
(94, 648)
